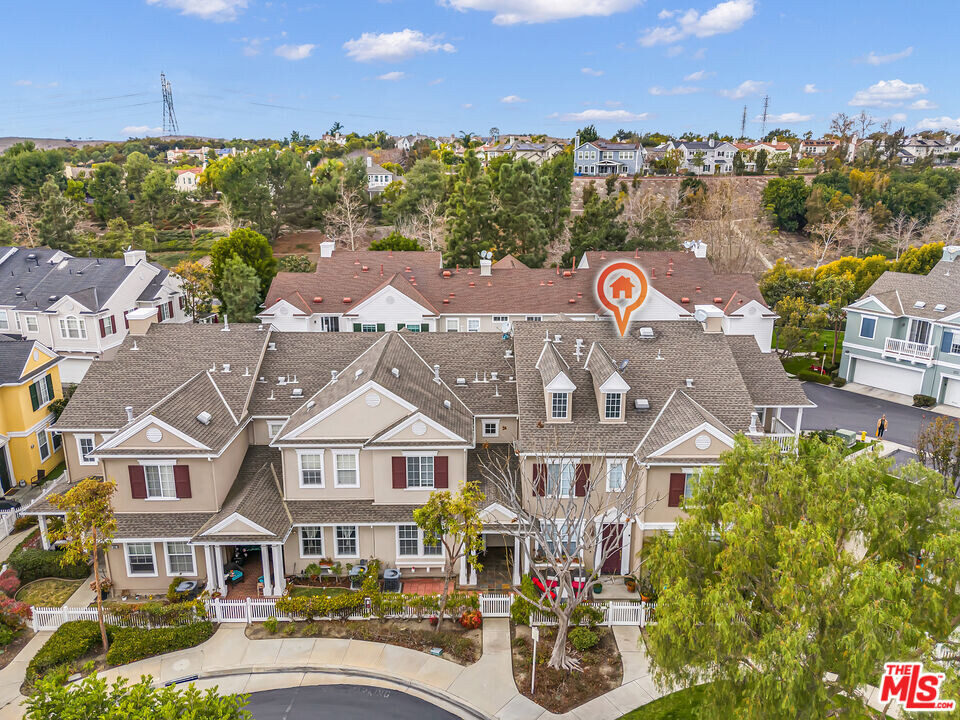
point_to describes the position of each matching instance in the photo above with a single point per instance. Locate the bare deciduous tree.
(858, 229)
(427, 225)
(347, 220)
(864, 122)
(938, 447)
(23, 217)
(945, 226)
(729, 224)
(567, 521)
(901, 232)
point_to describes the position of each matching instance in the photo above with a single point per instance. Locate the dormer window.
(613, 406)
(558, 405)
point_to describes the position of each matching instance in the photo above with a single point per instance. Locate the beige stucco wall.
(357, 419)
(167, 440)
(72, 455)
(507, 427)
(123, 583)
(688, 448)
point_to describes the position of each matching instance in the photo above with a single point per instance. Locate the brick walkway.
(252, 569)
(423, 586)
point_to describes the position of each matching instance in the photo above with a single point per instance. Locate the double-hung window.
(163, 312)
(501, 318)
(311, 468)
(311, 541)
(419, 471)
(85, 445)
(4, 321)
(561, 476)
(534, 318)
(616, 474)
(868, 326)
(56, 439)
(41, 392)
(558, 406)
(411, 543)
(473, 324)
(453, 324)
(346, 536)
(43, 445)
(140, 559)
(561, 537)
(30, 324)
(346, 468)
(180, 559)
(160, 482)
(73, 328)
(613, 404)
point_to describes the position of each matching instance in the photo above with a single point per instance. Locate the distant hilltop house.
(177, 154)
(603, 157)
(407, 142)
(775, 151)
(188, 179)
(816, 148)
(918, 148)
(705, 157)
(377, 177)
(337, 139)
(78, 172)
(536, 152)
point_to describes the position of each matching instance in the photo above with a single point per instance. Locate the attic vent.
(646, 332)
(296, 392)
(358, 373)
(204, 418)
(494, 374)
(310, 405)
(919, 304)
(689, 382)
(940, 307)
(641, 404)
(52, 298)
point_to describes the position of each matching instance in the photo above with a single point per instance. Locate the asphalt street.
(838, 408)
(341, 702)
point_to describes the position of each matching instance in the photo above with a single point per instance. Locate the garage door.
(888, 377)
(951, 395)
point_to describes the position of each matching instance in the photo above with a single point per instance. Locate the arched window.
(73, 328)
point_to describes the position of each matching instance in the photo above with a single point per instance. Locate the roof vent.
(52, 298)
(641, 404)
(226, 367)
(296, 392)
(333, 376)
(436, 373)
(919, 304)
(271, 346)
(310, 404)
(494, 374)
(281, 380)
(395, 372)
(262, 379)
(689, 382)
(204, 418)
(358, 373)
(461, 381)
(446, 404)
(940, 307)
(129, 410)
(646, 332)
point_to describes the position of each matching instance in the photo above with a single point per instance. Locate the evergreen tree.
(597, 228)
(520, 214)
(106, 189)
(252, 248)
(470, 214)
(239, 290)
(59, 216)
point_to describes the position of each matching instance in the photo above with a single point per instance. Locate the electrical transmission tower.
(743, 123)
(763, 122)
(170, 126)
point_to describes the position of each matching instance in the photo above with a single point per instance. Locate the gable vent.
(689, 382)
(204, 418)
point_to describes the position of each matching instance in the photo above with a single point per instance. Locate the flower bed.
(560, 690)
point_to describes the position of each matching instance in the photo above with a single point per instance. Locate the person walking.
(881, 425)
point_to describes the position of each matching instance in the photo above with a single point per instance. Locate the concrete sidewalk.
(898, 398)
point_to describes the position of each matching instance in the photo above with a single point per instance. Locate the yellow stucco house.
(29, 383)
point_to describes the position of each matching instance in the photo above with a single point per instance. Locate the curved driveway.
(342, 702)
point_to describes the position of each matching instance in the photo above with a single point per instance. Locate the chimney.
(486, 267)
(369, 161)
(711, 142)
(951, 253)
(132, 257)
(326, 248)
(700, 250)
(141, 319)
(129, 409)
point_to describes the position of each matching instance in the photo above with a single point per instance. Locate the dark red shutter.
(440, 474)
(539, 478)
(103, 328)
(170, 307)
(399, 472)
(126, 321)
(581, 478)
(138, 482)
(113, 324)
(678, 482)
(181, 480)
(181, 302)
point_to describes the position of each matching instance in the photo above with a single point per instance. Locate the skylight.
(919, 304)
(940, 307)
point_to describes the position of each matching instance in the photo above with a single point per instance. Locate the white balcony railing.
(906, 350)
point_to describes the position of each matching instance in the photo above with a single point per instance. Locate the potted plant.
(630, 582)
(597, 587)
(102, 585)
(648, 591)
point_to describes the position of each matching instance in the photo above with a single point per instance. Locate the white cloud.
(511, 99)
(140, 130)
(923, 104)
(786, 118)
(591, 71)
(294, 52)
(392, 76)
(613, 103)
(674, 50)
(666, 14)
(873, 59)
(699, 54)
(31, 83)
(678, 90)
(723, 18)
(887, 93)
(467, 106)
(395, 46)
(511, 12)
(251, 45)
(747, 87)
(436, 81)
(216, 10)
(595, 115)
(940, 123)
(698, 76)
(899, 117)
(810, 89)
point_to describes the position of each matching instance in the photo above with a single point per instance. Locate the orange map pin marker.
(622, 288)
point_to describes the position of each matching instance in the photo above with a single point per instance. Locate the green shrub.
(131, 644)
(521, 608)
(586, 615)
(583, 638)
(24, 522)
(69, 643)
(33, 563)
(172, 594)
(924, 401)
(813, 377)
(839, 381)
(6, 635)
(271, 624)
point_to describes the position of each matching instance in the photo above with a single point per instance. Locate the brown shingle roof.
(763, 375)
(306, 512)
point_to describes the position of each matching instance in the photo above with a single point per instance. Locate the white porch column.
(44, 539)
(279, 582)
(463, 571)
(526, 556)
(267, 566)
(473, 575)
(210, 561)
(625, 550)
(517, 559)
(796, 430)
(218, 564)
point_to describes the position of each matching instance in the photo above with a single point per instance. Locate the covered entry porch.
(242, 569)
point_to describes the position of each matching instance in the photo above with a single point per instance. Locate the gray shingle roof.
(306, 512)
(679, 415)
(14, 353)
(136, 526)
(901, 291)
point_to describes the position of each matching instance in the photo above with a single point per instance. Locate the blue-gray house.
(903, 335)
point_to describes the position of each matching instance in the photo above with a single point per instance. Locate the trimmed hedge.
(34, 563)
(813, 377)
(924, 401)
(70, 642)
(839, 382)
(132, 644)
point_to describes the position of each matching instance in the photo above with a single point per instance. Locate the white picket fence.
(7, 520)
(251, 610)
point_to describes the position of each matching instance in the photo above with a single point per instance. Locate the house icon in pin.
(622, 288)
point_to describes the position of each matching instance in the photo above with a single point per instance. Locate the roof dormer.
(557, 386)
(609, 387)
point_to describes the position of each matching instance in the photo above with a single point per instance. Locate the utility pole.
(763, 122)
(743, 124)
(170, 126)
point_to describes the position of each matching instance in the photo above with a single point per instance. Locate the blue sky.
(257, 68)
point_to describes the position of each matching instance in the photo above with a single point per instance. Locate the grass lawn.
(303, 591)
(48, 592)
(793, 365)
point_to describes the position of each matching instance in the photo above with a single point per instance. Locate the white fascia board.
(353, 395)
(419, 416)
(859, 303)
(561, 383)
(702, 427)
(614, 383)
(389, 290)
(234, 517)
(143, 423)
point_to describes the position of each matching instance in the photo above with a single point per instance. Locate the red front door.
(612, 549)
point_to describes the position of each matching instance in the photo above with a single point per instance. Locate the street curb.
(389, 681)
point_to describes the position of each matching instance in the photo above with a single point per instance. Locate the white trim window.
(490, 427)
(141, 561)
(346, 468)
(347, 541)
(410, 543)
(561, 477)
(160, 482)
(274, 427)
(534, 318)
(453, 324)
(311, 541)
(163, 312)
(30, 323)
(109, 325)
(73, 328)
(559, 403)
(311, 468)
(616, 474)
(420, 471)
(43, 445)
(613, 406)
(868, 326)
(501, 318)
(562, 537)
(473, 324)
(85, 445)
(181, 559)
(4, 320)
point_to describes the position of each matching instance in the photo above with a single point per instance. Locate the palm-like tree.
(336, 127)
(466, 138)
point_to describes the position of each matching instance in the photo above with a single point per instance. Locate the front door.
(612, 549)
(4, 470)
